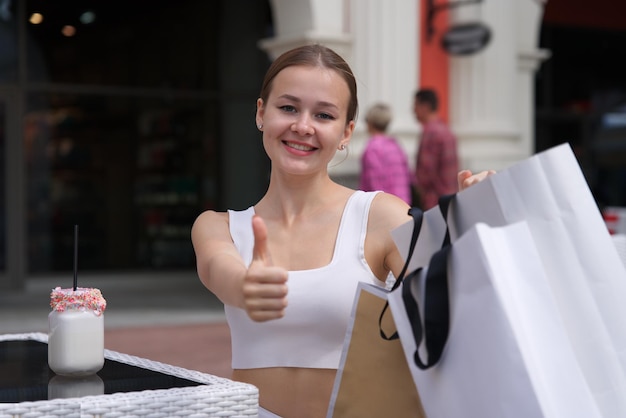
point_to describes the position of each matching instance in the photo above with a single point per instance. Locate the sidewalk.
(162, 316)
(202, 347)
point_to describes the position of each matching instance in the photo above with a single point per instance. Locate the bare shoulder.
(210, 223)
(388, 212)
(212, 216)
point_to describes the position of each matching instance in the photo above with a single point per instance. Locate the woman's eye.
(325, 116)
(287, 108)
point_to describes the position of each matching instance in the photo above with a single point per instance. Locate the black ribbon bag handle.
(436, 309)
(418, 216)
(436, 325)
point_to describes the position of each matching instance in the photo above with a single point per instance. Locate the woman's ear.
(260, 111)
(347, 134)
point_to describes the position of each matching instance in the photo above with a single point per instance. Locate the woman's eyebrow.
(297, 100)
(289, 97)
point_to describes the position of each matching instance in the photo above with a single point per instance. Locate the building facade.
(145, 116)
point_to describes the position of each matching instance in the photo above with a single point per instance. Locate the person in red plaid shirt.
(437, 164)
(384, 164)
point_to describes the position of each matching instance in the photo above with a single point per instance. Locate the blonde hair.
(379, 116)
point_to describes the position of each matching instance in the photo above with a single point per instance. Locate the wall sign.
(466, 38)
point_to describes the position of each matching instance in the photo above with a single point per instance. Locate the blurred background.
(129, 118)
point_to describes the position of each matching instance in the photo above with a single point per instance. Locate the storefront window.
(8, 46)
(132, 172)
(3, 202)
(155, 43)
(119, 131)
(123, 104)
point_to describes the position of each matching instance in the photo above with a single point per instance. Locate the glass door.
(12, 262)
(3, 197)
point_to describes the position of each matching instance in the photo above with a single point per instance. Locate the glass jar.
(76, 331)
(75, 386)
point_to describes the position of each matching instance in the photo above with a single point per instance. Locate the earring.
(260, 126)
(342, 147)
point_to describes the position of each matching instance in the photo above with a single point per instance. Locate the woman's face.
(304, 119)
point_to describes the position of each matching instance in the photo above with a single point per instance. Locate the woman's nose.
(303, 125)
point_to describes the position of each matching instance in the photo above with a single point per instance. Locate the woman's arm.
(220, 267)
(260, 288)
(386, 214)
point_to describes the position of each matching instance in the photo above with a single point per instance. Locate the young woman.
(288, 267)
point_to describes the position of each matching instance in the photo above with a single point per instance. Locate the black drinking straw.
(75, 256)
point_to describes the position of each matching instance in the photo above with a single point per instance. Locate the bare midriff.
(291, 391)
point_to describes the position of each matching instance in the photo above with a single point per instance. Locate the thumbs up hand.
(265, 285)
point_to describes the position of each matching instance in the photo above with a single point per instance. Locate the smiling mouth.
(299, 147)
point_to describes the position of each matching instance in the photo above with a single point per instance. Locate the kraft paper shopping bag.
(373, 379)
(507, 353)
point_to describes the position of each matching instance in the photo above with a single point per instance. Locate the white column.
(529, 58)
(378, 39)
(482, 89)
(301, 22)
(491, 96)
(385, 61)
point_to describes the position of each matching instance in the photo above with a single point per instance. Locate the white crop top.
(312, 331)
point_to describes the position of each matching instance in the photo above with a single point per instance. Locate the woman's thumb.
(260, 252)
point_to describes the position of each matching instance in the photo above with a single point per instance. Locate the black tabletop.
(25, 376)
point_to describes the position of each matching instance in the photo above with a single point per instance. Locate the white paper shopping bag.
(581, 263)
(507, 352)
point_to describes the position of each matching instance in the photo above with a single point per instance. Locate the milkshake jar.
(76, 331)
(75, 386)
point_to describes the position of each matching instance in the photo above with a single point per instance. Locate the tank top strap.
(350, 238)
(240, 226)
(353, 228)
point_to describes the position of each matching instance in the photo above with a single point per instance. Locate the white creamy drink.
(76, 331)
(75, 386)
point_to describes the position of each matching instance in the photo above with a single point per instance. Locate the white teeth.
(300, 147)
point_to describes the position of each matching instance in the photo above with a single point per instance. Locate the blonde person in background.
(287, 268)
(384, 164)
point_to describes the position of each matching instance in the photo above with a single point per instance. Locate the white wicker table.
(213, 397)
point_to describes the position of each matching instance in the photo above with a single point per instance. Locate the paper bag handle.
(436, 299)
(436, 309)
(418, 216)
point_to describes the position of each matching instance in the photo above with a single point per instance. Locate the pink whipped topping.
(83, 298)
